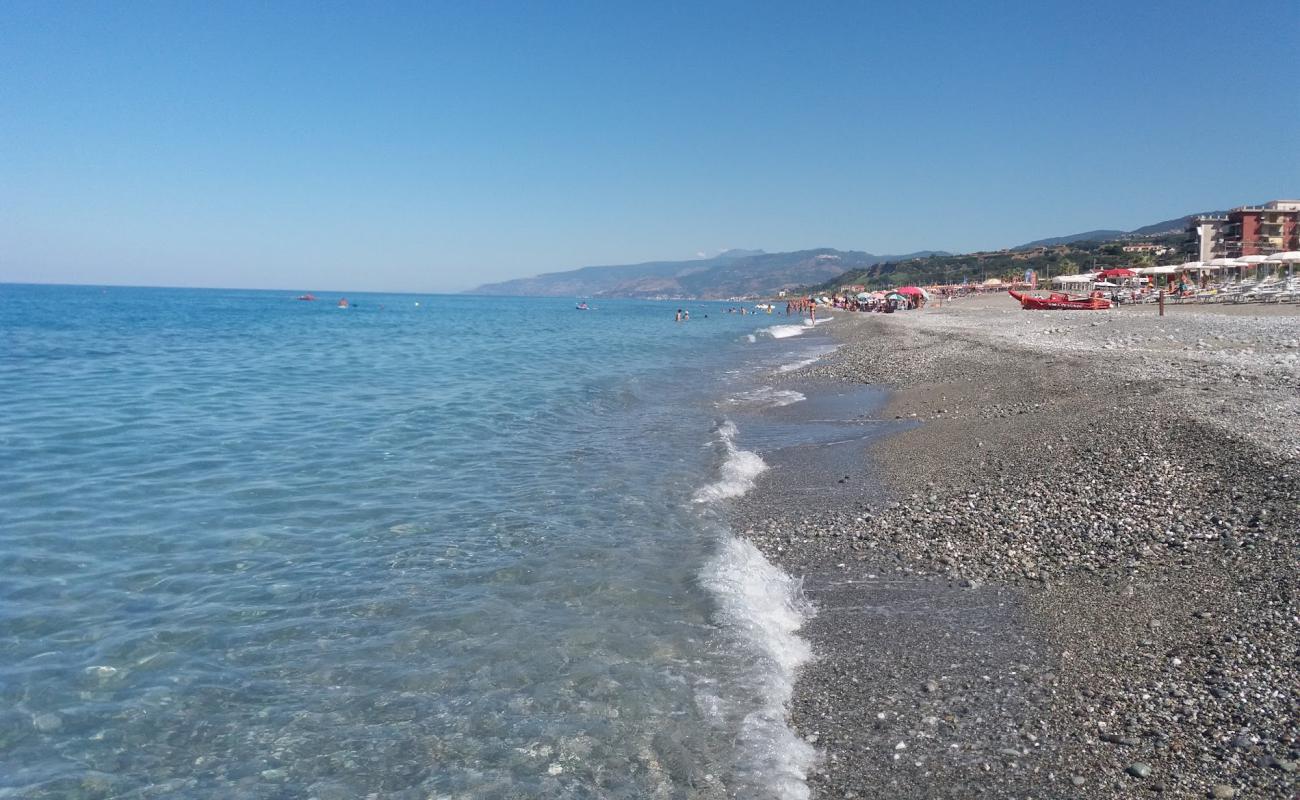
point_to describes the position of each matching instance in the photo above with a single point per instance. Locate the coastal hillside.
(754, 273)
(1175, 225)
(1046, 260)
(1059, 255)
(734, 273)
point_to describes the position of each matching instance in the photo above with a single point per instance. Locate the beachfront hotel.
(1249, 230)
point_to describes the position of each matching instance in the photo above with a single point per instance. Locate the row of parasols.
(912, 293)
(1288, 259)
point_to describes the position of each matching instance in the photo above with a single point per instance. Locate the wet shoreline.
(1012, 598)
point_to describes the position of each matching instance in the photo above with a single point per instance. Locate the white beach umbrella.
(1252, 259)
(1290, 256)
(1192, 265)
(1224, 262)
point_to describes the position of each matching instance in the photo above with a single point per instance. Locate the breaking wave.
(784, 331)
(738, 470)
(764, 608)
(767, 396)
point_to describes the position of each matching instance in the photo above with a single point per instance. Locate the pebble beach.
(1069, 571)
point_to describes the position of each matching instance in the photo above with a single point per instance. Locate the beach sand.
(1075, 577)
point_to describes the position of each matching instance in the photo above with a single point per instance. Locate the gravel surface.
(1080, 577)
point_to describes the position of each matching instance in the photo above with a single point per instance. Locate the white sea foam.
(751, 337)
(764, 608)
(737, 473)
(814, 355)
(797, 365)
(784, 331)
(767, 396)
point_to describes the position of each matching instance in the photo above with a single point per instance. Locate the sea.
(421, 547)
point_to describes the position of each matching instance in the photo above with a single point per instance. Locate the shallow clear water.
(423, 547)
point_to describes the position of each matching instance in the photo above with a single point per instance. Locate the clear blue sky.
(430, 146)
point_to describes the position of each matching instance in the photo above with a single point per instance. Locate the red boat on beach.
(1058, 301)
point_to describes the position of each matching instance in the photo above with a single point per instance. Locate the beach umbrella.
(1224, 263)
(1290, 258)
(864, 295)
(1117, 273)
(1252, 259)
(913, 290)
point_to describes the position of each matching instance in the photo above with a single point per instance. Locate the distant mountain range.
(754, 273)
(734, 273)
(1106, 235)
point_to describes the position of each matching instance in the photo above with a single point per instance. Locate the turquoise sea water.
(429, 546)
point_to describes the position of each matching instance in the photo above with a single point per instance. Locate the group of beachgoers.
(879, 302)
(800, 307)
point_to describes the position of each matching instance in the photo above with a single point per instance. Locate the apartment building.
(1249, 230)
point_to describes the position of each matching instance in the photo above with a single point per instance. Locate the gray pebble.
(1139, 770)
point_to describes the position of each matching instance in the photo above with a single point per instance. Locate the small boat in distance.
(307, 297)
(343, 302)
(1058, 301)
(583, 307)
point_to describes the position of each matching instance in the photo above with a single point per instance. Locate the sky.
(437, 146)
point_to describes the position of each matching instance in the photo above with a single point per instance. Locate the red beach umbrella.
(1118, 273)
